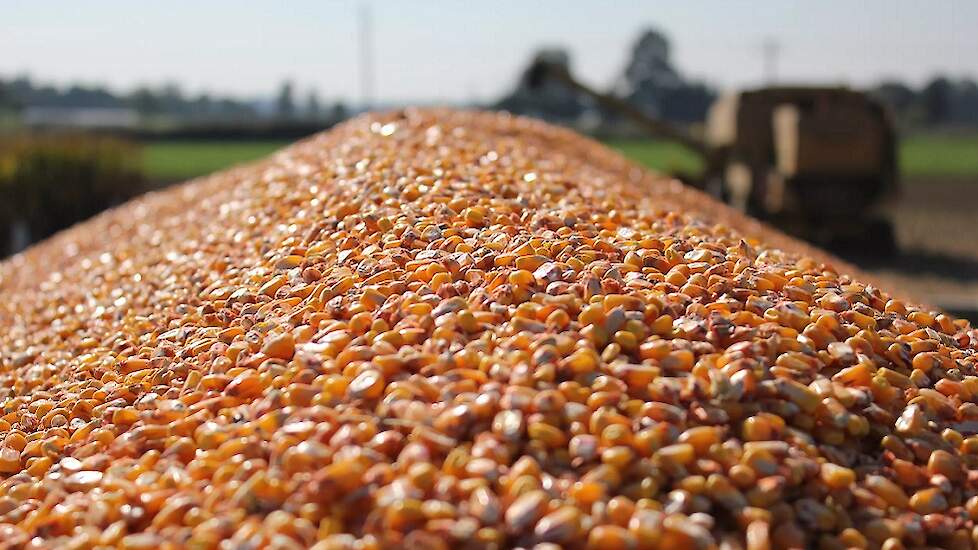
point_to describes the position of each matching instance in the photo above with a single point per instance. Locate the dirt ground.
(936, 226)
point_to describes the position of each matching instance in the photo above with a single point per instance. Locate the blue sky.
(459, 51)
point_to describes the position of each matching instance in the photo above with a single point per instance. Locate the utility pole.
(771, 49)
(366, 59)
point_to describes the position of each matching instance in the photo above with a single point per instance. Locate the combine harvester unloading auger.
(434, 329)
(817, 162)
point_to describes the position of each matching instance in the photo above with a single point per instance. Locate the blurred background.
(851, 125)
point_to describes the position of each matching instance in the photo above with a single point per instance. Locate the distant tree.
(651, 82)
(896, 95)
(649, 65)
(942, 101)
(339, 112)
(10, 96)
(902, 101)
(235, 109)
(167, 100)
(936, 99)
(964, 102)
(547, 98)
(313, 109)
(171, 99)
(203, 104)
(687, 103)
(20, 87)
(285, 104)
(144, 101)
(83, 96)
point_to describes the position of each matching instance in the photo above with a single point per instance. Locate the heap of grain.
(434, 329)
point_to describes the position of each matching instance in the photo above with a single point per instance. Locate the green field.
(921, 156)
(180, 160)
(664, 156)
(939, 155)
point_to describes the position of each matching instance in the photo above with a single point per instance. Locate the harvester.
(817, 162)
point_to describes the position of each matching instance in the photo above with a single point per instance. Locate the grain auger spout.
(542, 70)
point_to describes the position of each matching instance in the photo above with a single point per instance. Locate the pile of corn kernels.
(437, 330)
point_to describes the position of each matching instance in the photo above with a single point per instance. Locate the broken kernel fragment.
(431, 329)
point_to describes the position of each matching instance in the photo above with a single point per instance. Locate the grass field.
(939, 155)
(664, 156)
(180, 160)
(921, 156)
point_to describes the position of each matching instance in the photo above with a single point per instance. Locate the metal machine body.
(815, 161)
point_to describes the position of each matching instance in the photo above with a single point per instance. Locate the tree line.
(650, 80)
(168, 100)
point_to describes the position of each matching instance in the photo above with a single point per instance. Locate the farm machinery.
(817, 162)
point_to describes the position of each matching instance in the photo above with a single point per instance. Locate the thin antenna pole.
(366, 59)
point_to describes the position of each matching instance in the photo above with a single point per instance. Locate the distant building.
(88, 118)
